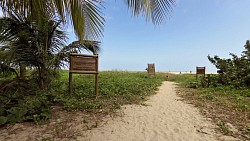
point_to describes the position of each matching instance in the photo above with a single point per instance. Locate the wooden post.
(70, 76)
(96, 85)
(70, 83)
(196, 72)
(96, 77)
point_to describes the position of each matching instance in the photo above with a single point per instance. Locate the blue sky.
(195, 29)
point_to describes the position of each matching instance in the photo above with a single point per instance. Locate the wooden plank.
(200, 70)
(87, 55)
(83, 72)
(83, 60)
(90, 67)
(83, 63)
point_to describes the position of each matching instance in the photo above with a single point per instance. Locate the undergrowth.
(25, 102)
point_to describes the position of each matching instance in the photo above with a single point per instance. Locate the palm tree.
(85, 15)
(24, 43)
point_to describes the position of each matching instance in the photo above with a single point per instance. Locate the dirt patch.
(64, 125)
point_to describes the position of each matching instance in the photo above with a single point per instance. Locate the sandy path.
(165, 118)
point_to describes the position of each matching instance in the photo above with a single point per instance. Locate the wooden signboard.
(83, 64)
(151, 69)
(200, 70)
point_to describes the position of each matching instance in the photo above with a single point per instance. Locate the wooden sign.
(151, 69)
(200, 70)
(83, 64)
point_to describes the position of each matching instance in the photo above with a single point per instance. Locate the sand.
(164, 117)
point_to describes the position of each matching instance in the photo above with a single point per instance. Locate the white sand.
(165, 118)
(188, 72)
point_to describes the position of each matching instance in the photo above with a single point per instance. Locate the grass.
(25, 102)
(183, 79)
(115, 89)
(222, 103)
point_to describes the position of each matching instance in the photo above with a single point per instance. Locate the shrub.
(23, 102)
(234, 71)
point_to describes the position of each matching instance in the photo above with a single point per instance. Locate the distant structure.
(200, 70)
(151, 69)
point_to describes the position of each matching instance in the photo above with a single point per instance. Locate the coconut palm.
(85, 15)
(24, 43)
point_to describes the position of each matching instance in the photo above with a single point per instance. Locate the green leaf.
(3, 120)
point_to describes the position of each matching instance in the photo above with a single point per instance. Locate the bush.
(234, 71)
(23, 102)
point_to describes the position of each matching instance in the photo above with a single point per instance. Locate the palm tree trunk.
(22, 71)
(42, 77)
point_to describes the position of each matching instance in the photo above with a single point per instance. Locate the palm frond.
(62, 58)
(7, 70)
(156, 10)
(91, 46)
(85, 15)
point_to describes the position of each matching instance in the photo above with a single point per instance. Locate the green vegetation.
(42, 49)
(24, 101)
(33, 48)
(223, 103)
(115, 88)
(233, 71)
(225, 96)
(183, 80)
(86, 16)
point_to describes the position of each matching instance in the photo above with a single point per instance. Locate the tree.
(85, 15)
(234, 71)
(32, 37)
(24, 43)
